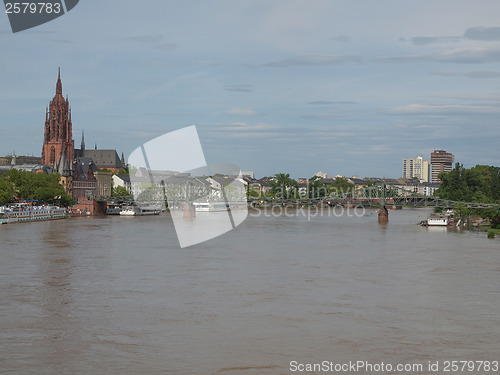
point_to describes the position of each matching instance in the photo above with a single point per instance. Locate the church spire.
(59, 83)
(58, 136)
(82, 147)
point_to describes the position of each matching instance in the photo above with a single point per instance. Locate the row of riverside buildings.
(401, 186)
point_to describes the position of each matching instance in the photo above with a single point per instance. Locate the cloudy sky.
(345, 87)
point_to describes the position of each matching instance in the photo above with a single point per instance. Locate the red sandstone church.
(58, 140)
(79, 168)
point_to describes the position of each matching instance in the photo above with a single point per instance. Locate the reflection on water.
(117, 295)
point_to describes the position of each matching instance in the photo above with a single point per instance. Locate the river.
(117, 295)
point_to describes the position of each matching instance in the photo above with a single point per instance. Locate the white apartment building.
(417, 167)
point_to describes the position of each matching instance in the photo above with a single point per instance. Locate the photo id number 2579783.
(32, 7)
(470, 366)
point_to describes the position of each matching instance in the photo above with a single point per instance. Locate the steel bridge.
(374, 196)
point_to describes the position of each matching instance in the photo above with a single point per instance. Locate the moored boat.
(437, 220)
(440, 220)
(210, 206)
(22, 212)
(113, 210)
(139, 211)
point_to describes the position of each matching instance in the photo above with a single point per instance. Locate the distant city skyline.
(275, 86)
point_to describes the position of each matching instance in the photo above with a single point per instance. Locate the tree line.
(18, 185)
(477, 184)
(282, 186)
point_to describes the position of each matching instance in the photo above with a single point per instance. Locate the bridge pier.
(189, 211)
(383, 215)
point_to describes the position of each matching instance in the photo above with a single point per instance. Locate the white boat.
(210, 206)
(22, 212)
(437, 220)
(139, 211)
(113, 210)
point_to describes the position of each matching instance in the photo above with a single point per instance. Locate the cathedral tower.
(58, 139)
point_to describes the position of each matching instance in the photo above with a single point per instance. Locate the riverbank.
(488, 228)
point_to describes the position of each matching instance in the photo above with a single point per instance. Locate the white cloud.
(447, 73)
(288, 25)
(241, 112)
(493, 98)
(207, 63)
(378, 148)
(244, 130)
(328, 102)
(146, 38)
(483, 74)
(426, 40)
(340, 38)
(233, 123)
(458, 55)
(165, 46)
(487, 34)
(314, 59)
(478, 74)
(245, 126)
(239, 88)
(419, 109)
(483, 33)
(156, 41)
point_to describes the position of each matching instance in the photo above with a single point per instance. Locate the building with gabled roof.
(107, 159)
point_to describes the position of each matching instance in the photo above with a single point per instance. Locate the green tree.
(6, 191)
(316, 188)
(66, 200)
(477, 184)
(106, 170)
(120, 191)
(341, 186)
(494, 215)
(378, 189)
(38, 186)
(251, 192)
(54, 195)
(461, 211)
(283, 187)
(22, 186)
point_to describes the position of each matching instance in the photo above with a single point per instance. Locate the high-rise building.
(416, 168)
(441, 161)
